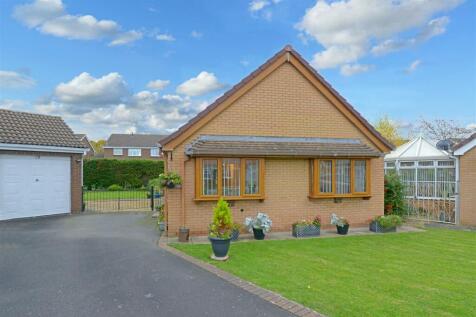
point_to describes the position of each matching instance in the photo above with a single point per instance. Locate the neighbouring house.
(283, 142)
(133, 146)
(430, 177)
(465, 152)
(89, 148)
(40, 166)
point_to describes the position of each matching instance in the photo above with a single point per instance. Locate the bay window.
(340, 178)
(231, 178)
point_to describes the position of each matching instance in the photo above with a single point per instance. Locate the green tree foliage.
(389, 130)
(394, 197)
(222, 224)
(98, 145)
(102, 173)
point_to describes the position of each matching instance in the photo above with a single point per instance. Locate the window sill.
(339, 196)
(229, 198)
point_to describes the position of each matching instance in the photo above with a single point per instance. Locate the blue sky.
(91, 61)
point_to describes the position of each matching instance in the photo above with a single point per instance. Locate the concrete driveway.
(108, 265)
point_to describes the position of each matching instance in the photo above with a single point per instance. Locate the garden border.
(269, 296)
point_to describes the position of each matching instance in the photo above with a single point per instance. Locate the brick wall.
(468, 187)
(76, 174)
(145, 155)
(283, 104)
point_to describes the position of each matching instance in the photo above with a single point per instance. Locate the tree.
(98, 145)
(389, 130)
(441, 129)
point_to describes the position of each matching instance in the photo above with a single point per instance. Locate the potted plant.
(161, 218)
(170, 180)
(235, 232)
(183, 234)
(341, 224)
(306, 228)
(220, 230)
(259, 225)
(385, 224)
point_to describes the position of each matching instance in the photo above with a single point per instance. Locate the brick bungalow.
(282, 141)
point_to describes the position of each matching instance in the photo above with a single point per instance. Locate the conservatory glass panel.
(426, 182)
(445, 182)
(343, 176)
(231, 177)
(408, 178)
(209, 177)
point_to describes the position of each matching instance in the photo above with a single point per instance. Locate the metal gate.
(121, 200)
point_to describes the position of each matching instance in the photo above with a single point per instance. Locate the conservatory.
(430, 179)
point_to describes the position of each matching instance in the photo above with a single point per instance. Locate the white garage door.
(34, 186)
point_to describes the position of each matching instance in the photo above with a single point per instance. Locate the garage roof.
(36, 129)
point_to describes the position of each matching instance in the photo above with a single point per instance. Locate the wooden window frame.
(199, 174)
(315, 185)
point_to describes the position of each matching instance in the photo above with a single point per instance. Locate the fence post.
(152, 198)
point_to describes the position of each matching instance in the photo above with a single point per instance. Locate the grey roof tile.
(36, 129)
(134, 140)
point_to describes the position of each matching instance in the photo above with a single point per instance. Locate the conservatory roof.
(417, 149)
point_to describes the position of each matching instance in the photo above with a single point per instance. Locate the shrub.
(394, 197)
(114, 188)
(222, 224)
(388, 221)
(102, 173)
(169, 179)
(154, 182)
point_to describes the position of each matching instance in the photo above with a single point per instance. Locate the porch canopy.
(268, 146)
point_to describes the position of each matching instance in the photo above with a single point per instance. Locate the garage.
(40, 166)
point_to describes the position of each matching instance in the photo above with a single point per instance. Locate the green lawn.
(114, 195)
(430, 273)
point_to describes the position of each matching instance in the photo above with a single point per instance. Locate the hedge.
(102, 173)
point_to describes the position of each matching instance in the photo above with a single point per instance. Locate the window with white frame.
(134, 152)
(117, 151)
(154, 151)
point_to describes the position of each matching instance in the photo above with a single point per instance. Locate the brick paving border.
(271, 297)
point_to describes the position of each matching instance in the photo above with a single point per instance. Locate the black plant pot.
(220, 247)
(342, 230)
(258, 233)
(170, 185)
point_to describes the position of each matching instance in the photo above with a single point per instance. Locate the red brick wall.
(468, 187)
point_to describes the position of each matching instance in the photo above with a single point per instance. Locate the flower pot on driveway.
(162, 226)
(342, 229)
(183, 234)
(258, 233)
(220, 248)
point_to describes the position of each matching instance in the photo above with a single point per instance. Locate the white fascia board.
(40, 148)
(130, 147)
(466, 148)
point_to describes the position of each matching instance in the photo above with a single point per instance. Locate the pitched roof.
(134, 140)
(464, 142)
(287, 49)
(80, 136)
(36, 129)
(233, 145)
(418, 148)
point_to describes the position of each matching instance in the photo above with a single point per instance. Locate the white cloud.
(202, 84)
(87, 90)
(11, 79)
(257, 5)
(126, 38)
(413, 66)
(471, 126)
(195, 34)
(14, 104)
(165, 37)
(352, 69)
(158, 84)
(245, 62)
(348, 29)
(50, 17)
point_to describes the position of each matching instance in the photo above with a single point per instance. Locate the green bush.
(154, 182)
(394, 197)
(222, 224)
(115, 188)
(389, 221)
(102, 173)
